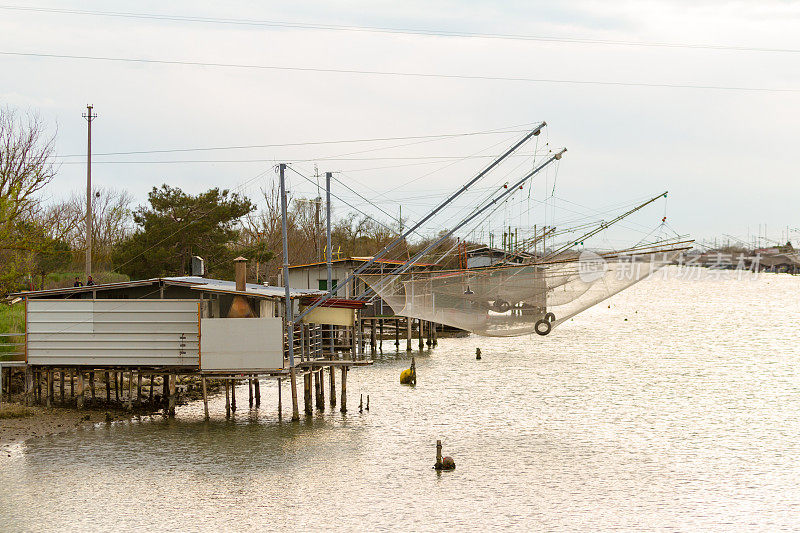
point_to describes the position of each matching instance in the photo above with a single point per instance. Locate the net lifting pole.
(427, 217)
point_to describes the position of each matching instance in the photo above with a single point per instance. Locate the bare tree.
(27, 164)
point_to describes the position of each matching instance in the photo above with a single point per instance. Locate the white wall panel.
(241, 343)
(113, 332)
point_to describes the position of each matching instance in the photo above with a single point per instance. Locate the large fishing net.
(515, 300)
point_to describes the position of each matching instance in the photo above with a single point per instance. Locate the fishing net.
(514, 300)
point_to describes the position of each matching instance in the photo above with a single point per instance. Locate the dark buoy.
(478, 354)
(443, 463)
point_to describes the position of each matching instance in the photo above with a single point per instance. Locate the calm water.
(684, 417)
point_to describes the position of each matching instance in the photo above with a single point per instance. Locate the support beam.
(139, 386)
(293, 385)
(280, 400)
(49, 401)
(421, 333)
(321, 392)
(129, 404)
(227, 398)
(307, 393)
(61, 383)
(408, 334)
(250, 397)
(108, 387)
(343, 401)
(257, 385)
(91, 386)
(28, 386)
(233, 395)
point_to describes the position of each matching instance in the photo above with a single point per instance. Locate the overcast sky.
(727, 156)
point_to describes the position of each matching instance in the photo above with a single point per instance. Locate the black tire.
(550, 317)
(543, 327)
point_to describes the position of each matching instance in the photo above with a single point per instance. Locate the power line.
(404, 31)
(365, 72)
(310, 143)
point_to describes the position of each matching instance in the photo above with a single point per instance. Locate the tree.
(27, 164)
(176, 226)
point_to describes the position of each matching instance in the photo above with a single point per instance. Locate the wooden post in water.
(396, 333)
(227, 399)
(332, 385)
(373, 345)
(28, 385)
(233, 395)
(60, 384)
(307, 393)
(139, 386)
(250, 392)
(321, 399)
(435, 337)
(165, 389)
(408, 334)
(354, 343)
(80, 390)
(293, 386)
(205, 396)
(72, 384)
(380, 335)
(257, 386)
(129, 405)
(108, 387)
(172, 398)
(280, 400)
(152, 378)
(344, 390)
(421, 333)
(91, 386)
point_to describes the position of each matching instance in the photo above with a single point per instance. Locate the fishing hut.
(164, 329)
(377, 321)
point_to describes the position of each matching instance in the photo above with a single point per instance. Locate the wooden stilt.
(280, 402)
(91, 386)
(71, 384)
(233, 395)
(408, 334)
(129, 405)
(108, 387)
(60, 383)
(205, 397)
(117, 385)
(39, 386)
(435, 338)
(227, 398)
(421, 333)
(343, 401)
(428, 328)
(139, 386)
(165, 389)
(293, 384)
(49, 387)
(321, 393)
(332, 391)
(152, 378)
(28, 386)
(250, 391)
(257, 386)
(380, 335)
(80, 400)
(307, 393)
(373, 344)
(172, 398)
(397, 333)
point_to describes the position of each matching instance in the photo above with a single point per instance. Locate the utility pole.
(328, 256)
(89, 116)
(289, 308)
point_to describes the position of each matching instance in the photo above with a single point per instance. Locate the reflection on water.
(683, 416)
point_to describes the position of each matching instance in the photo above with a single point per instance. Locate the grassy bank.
(12, 320)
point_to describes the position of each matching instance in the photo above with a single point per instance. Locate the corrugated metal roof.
(191, 282)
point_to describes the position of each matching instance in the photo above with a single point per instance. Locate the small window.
(323, 284)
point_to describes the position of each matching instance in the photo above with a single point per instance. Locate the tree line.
(43, 240)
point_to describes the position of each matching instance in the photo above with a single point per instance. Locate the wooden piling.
(233, 395)
(139, 386)
(91, 386)
(435, 336)
(227, 398)
(293, 385)
(108, 387)
(80, 400)
(280, 400)
(408, 334)
(60, 383)
(71, 384)
(49, 387)
(165, 388)
(343, 401)
(373, 344)
(257, 386)
(129, 404)
(250, 392)
(396, 333)
(205, 396)
(321, 397)
(307, 393)
(28, 386)
(152, 378)
(172, 398)
(332, 391)
(421, 333)
(380, 335)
